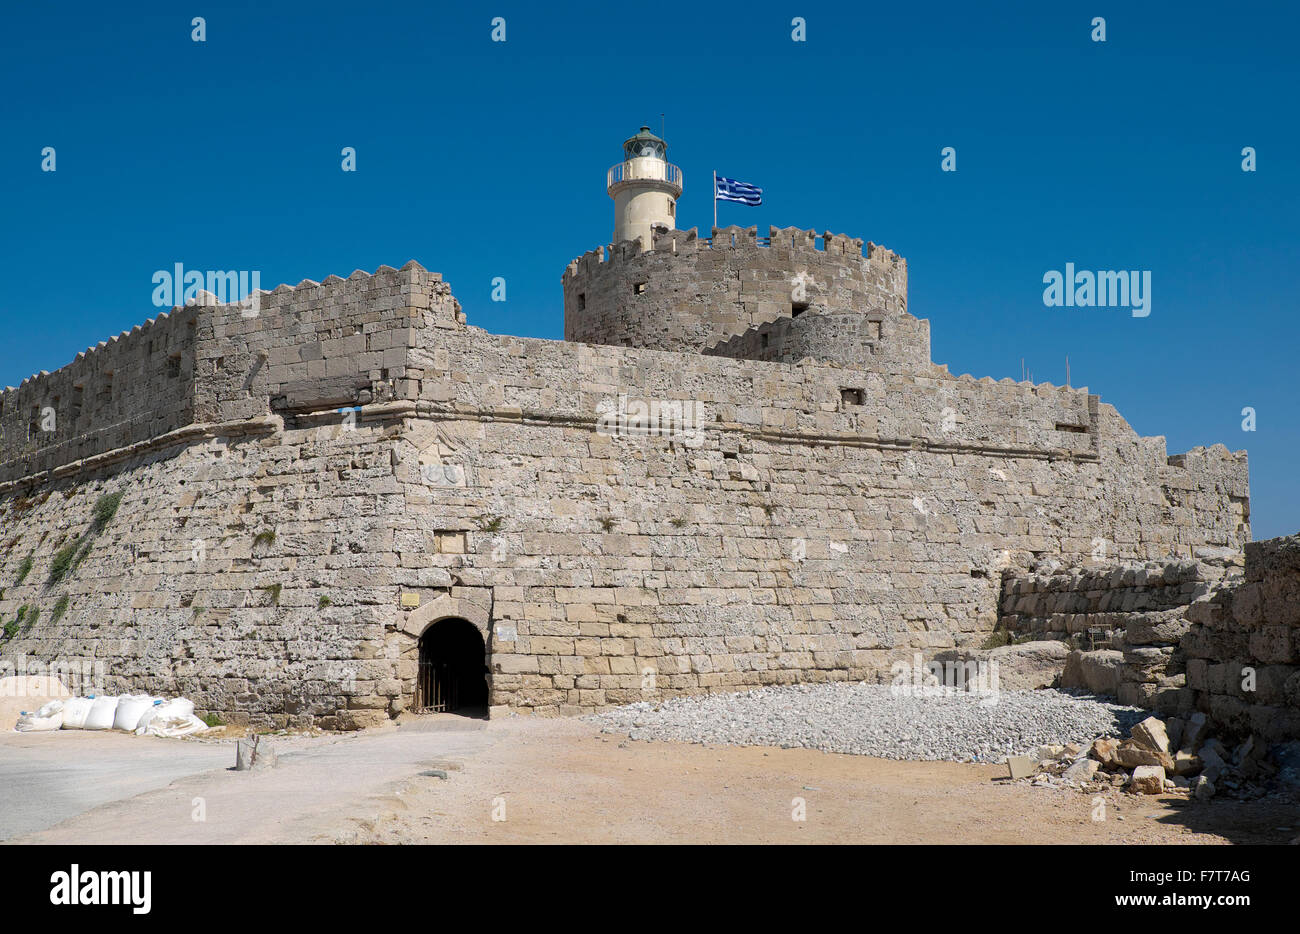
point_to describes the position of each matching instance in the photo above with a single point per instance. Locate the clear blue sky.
(484, 159)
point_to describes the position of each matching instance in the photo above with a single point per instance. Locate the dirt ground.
(563, 782)
(528, 780)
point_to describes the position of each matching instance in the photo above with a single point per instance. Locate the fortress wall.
(319, 345)
(798, 541)
(797, 535)
(868, 341)
(122, 391)
(178, 594)
(316, 344)
(697, 293)
(151, 617)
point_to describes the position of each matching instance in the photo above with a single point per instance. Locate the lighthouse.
(645, 188)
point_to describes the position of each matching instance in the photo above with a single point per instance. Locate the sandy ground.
(562, 781)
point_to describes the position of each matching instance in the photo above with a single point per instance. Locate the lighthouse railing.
(663, 172)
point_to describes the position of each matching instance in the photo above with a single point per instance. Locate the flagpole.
(715, 198)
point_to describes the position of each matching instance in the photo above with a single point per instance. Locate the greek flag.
(728, 189)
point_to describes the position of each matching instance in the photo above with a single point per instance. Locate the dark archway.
(453, 669)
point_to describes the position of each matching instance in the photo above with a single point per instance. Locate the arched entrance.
(453, 668)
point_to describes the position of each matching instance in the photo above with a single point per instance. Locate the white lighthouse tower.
(645, 189)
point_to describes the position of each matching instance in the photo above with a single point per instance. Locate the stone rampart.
(688, 294)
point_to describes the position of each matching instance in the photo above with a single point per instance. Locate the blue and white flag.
(728, 189)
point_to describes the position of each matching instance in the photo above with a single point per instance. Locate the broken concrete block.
(1151, 733)
(1202, 788)
(1104, 751)
(1194, 732)
(1132, 755)
(1147, 780)
(1248, 750)
(1174, 727)
(1082, 771)
(1020, 766)
(1212, 764)
(1048, 753)
(1186, 764)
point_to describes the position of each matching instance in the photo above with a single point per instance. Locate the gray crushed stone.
(876, 720)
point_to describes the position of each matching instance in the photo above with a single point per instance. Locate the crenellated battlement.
(689, 294)
(206, 362)
(733, 237)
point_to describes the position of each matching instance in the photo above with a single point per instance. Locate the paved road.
(48, 777)
(77, 787)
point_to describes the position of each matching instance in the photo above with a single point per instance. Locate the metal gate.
(436, 691)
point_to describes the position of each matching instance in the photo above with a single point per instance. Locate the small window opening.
(851, 396)
(764, 341)
(582, 301)
(174, 366)
(639, 288)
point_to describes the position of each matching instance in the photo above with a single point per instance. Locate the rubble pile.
(1176, 756)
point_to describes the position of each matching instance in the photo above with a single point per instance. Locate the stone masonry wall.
(872, 341)
(1243, 648)
(802, 538)
(122, 391)
(1124, 622)
(1182, 636)
(687, 294)
(797, 534)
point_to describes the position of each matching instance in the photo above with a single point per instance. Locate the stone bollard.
(255, 752)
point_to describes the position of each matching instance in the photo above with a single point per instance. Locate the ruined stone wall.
(687, 294)
(1066, 603)
(792, 533)
(1124, 622)
(1243, 649)
(1181, 636)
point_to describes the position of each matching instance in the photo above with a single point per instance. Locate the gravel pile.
(873, 720)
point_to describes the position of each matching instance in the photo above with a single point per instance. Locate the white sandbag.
(130, 708)
(26, 693)
(177, 707)
(49, 717)
(75, 711)
(160, 725)
(102, 711)
(143, 726)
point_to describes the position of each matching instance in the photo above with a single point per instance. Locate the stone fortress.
(739, 468)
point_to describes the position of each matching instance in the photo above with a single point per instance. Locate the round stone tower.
(645, 188)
